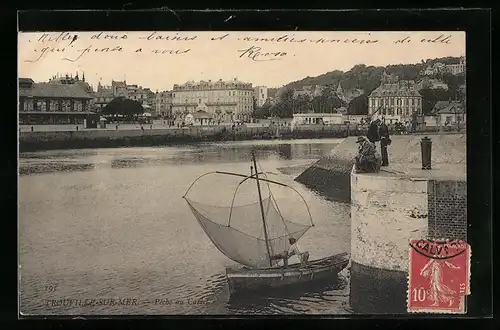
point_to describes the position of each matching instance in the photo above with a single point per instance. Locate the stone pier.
(387, 210)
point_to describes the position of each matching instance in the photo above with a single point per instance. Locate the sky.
(160, 59)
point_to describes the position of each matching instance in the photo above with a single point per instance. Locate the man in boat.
(293, 250)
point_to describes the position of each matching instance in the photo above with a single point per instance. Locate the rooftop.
(52, 90)
(402, 88)
(212, 84)
(443, 107)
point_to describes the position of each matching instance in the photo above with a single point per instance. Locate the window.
(78, 105)
(54, 106)
(40, 105)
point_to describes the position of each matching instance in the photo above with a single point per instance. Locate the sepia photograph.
(242, 173)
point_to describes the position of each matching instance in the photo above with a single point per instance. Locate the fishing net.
(238, 230)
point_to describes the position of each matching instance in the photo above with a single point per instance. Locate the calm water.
(111, 224)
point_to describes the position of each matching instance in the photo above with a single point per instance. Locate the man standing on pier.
(373, 131)
(384, 142)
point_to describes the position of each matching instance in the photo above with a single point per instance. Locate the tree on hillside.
(302, 104)
(358, 105)
(406, 71)
(283, 108)
(123, 106)
(453, 81)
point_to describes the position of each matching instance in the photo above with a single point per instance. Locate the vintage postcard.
(240, 173)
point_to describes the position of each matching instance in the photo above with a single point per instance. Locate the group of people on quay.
(368, 159)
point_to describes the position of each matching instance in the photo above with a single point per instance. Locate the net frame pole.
(262, 209)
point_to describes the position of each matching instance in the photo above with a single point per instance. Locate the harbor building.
(60, 101)
(394, 98)
(226, 101)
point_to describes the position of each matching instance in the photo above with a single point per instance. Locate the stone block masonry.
(386, 212)
(447, 202)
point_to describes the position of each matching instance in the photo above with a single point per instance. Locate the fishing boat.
(256, 233)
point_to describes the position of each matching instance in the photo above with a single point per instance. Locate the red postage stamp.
(439, 274)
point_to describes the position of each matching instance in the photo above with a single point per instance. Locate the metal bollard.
(426, 147)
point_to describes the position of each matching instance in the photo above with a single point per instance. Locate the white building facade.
(227, 101)
(260, 95)
(395, 100)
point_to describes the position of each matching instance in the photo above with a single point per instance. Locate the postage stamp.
(439, 276)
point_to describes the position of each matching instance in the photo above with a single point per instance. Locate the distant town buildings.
(449, 112)
(105, 94)
(348, 95)
(319, 90)
(102, 96)
(395, 99)
(457, 68)
(309, 91)
(226, 101)
(260, 95)
(433, 70)
(164, 104)
(429, 83)
(439, 68)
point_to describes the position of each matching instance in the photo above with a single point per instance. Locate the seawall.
(387, 210)
(331, 175)
(95, 138)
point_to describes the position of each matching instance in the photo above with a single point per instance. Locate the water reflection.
(54, 167)
(78, 160)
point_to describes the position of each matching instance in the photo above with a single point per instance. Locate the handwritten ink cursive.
(404, 40)
(176, 37)
(63, 36)
(44, 51)
(170, 51)
(220, 38)
(254, 53)
(108, 36)
(440, 39)
(87, 50)
(283, 38)
(345, 41)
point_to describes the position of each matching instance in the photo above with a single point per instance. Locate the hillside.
(362, 77)
(367, 77)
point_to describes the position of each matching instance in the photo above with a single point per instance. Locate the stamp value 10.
(439, 276)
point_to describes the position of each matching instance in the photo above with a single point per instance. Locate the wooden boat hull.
(244, 280)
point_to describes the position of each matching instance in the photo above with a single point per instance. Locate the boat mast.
(262, 208)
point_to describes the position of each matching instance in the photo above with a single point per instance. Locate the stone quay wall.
(101, 138)
(387, 210)
(385, 213)
(330, 176)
